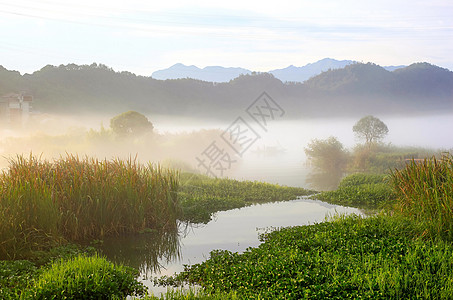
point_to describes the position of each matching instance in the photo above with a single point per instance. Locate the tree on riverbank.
(131, 123)
(370, 129)
(327, 155)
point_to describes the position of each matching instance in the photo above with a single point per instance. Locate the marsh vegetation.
(46, 203)
(403, 252)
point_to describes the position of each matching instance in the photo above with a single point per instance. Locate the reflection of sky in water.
(238, 229)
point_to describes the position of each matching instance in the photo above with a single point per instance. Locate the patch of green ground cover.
(15, 276)
(370, 191)
(349, 258)
(200, 196)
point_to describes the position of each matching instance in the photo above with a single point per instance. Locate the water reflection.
(147, 252)
(234, 230)
(324, 181)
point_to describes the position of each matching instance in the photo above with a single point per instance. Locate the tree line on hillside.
(354, 90)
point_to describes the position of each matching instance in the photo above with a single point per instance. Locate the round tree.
(131, 123)
(327, 155)
(370, 129)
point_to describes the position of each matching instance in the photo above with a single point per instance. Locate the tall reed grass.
(71, 198)
(425, 193)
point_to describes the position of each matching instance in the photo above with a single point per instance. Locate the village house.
(15, 109)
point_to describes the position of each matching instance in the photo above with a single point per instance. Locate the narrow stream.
(234, 230)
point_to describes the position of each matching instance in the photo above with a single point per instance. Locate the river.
(234, 230)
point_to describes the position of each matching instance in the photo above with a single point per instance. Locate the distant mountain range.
(211, 74)
(222, 74)
(355, 90)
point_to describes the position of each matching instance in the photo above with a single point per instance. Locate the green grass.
(425, 195)
(370, 191)
(68, 272)
(84, 277)
(43, 203)
(201, 196)
(16, 275)
(349, 258)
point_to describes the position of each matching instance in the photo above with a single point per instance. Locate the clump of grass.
(425, 194)
(43, 202)
(369, 191)
(85, 277)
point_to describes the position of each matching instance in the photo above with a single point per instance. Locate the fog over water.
(277, 156)
(287, 164)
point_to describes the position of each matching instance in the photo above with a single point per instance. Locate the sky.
(145, 36)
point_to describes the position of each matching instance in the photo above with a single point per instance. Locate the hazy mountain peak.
(224, 74)
(209, 73)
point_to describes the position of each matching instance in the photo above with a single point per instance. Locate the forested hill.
(354, 90)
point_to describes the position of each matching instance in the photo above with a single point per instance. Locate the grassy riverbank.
(405, 252)
(44, 205)
(367, 191)
(201, 196)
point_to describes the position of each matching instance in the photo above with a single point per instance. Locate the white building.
(15, 109)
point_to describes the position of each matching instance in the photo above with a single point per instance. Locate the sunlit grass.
(425, 194)
(42, 202)
(84, 277)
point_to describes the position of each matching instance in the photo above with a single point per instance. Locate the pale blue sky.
(145, 36)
